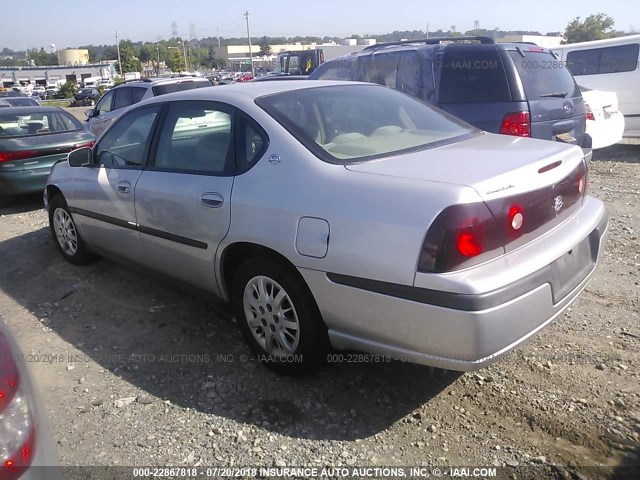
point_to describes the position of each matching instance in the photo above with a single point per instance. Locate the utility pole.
(427, 29)
(246, 15)
(158, 51)
(118, 48)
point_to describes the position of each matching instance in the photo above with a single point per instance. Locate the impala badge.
(557, 203)
(274, 159)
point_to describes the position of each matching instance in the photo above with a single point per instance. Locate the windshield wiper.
(556, 94)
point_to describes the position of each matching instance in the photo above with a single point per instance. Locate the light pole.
(184, 53)
(118, 48)
(158, 51)
(246, 15)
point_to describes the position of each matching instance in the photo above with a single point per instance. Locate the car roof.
(250, 90)
(442, 43)
(152, 81)
(33, 109)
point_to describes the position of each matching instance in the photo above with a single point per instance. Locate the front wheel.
(66, 235)
(279, 317)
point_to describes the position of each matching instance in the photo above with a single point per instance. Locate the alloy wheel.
(65, 231)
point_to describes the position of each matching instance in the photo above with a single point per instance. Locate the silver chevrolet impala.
(336, 214)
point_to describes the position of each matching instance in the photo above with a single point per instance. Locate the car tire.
(278, 317)
(66, 235)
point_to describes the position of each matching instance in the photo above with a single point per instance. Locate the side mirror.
(90, 113)
(81, 157)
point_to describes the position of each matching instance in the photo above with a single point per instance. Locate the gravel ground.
(137, 371)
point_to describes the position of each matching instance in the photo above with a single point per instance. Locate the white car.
(605, 123)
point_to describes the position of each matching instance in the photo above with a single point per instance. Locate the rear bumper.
(23, 181)
(446, 329)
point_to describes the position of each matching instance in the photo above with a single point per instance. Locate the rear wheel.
(278, 317)
(66, 235)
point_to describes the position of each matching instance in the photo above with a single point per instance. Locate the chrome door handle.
(124, 187)
(211, 200)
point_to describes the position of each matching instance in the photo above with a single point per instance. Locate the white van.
(610, 65)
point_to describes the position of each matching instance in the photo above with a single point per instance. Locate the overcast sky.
(39, 23)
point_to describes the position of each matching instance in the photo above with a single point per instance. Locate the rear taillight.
(589, 115)
(17, 430)
(87, 144)
(516, 123)
(461, 236)
(465, 235)
(17, 155)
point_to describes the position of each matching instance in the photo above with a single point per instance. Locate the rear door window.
(472, 76)
(543, 75)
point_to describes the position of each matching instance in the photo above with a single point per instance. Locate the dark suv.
(511, 88)
(86, 96)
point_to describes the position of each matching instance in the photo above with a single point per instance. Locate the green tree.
(176, 61)
(594, 27)
(129, 56)
(68, 90)
(265, 48)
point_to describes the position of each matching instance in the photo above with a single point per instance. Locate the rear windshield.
(354, 123)
(180, 86)
(22, 102)
(31, 124)
(543, 75)
(472, 76)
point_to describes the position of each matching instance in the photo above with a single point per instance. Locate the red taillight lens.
(589, 115)
(87, 144)
(17, 430)
(469, 244)
(517, 123)
(17, 155)
(461, 236)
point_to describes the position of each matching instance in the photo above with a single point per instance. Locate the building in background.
(55, 75)
(550, 40)
(237, 56)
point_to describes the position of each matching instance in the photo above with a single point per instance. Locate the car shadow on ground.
(179, 347)
(620, 152)
(21, 204)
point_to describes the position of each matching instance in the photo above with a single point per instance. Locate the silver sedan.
(335, 214)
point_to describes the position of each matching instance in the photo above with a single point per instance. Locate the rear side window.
(179, 86)
(339, 69)
(473, 76)
(543, 75)
(123, 98)
(621, 58)
(137, 94)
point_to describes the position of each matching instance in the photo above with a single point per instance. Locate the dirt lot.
(135, 371)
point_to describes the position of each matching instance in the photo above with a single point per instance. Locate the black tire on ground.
(68, 240)
(312, 340)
